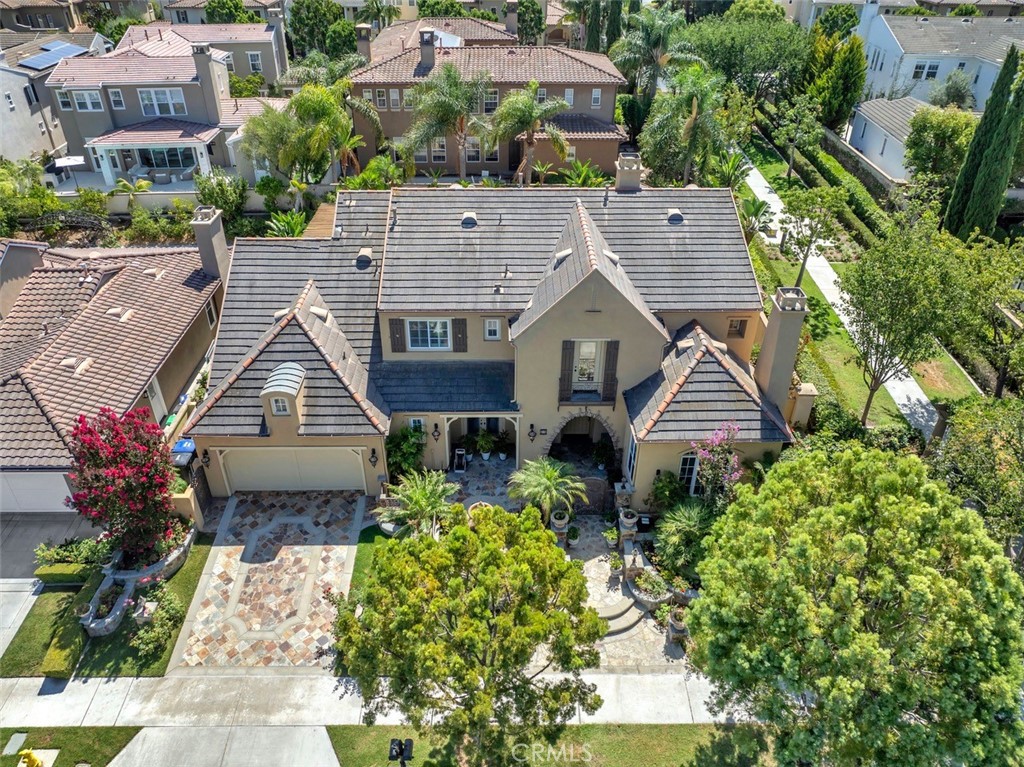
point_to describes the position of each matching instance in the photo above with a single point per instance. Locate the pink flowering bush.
(123, 472)
(718, 467)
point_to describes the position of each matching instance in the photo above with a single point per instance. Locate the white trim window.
(925, 70)
(491, 101)
(492, 329)
(419, 156)
(429, 335)
(570, 96)
(407, 99)
(255, 61)
(542, 95)
(116, 99)
(279, 406)
(595, 98)
(631, 460)
(229, 61)
(492, 156)
(162, 102)
(368, 95)
(211, 313)
(88, 101)
(737, 328)
(182, 17)
(472, 149)
(382, 98)
(396, 99)
(438, 150)
(588, 366)
(688, 465)
(570, 153)
(64, 101)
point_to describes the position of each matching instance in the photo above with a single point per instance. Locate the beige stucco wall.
(602, 153)
(437, 454)
(717, 324)
(478, 347)
(654, 456)
(177, 371)
(215, 473)
(16, 266)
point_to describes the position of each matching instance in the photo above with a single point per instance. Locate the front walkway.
(485, 482)
(261, 602)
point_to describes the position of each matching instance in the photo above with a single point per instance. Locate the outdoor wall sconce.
(373, 456)
(206, 458)
(532, 433)
(436, 433)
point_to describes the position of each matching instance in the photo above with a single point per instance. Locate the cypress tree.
(614, 29)
(633, 7)
(593, 42)
(984, 134)
(994, 174)
(839, 87)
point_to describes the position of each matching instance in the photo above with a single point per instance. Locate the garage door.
(294, 469)
(32, 491)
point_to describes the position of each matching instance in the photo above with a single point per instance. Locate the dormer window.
(279, 406)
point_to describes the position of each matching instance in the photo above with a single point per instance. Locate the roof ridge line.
(383, 247)
(588, 237)
(572, 55)
(335, 368)
(672, 392)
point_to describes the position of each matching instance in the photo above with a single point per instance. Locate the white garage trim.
(295, 473)
(33, 491)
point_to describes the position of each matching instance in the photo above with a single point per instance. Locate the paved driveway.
(260, 602)
(21, 533)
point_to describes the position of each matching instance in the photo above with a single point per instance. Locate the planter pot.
(628, 519)
(485, 456)
(613, 543)
(502, 456)
(469, 457)
(559, 521)
(677, 628)
(573, 542)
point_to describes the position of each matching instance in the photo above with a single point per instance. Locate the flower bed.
(108, 607)
(164, 567)
(649, 589)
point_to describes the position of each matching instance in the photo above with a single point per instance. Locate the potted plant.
(604, 454)
(559, 520)
(679, 586)
(677, 623)
(469, 443)
(628, 519)
(504, 445)
(615, 563)
(650, 589)
(485, 444)
(611, 537)
(573, 536)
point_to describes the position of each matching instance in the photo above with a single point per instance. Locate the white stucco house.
(879, 131)
(806, 12)
(910, 55)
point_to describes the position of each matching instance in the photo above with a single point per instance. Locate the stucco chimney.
(427, 47)
(363, 32)
(774, 370)
(512, 17)
(213, 245)
(275, 19)
(203, 59)
(628, 170)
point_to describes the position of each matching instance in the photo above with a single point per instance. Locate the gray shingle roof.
(580, 251)
(698, 388)
(456, 387)
(984, 37)
(433, 263)
(891, 116)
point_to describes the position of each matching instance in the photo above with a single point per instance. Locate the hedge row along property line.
(64, 574)
(69, 637)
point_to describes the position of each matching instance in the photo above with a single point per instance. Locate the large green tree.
(839, 87)
(341, 39)
(897, 296)
(521, 113)
(309, 21)
(799, 126)
(438, 8)
(991, 121)
(613, 28)
(379, 12)
(810, 223)
(937, 144)
(445, 105)
(838, 20)
(450, 629)
(530, 22)
(756, 10)
(651, 45)
(593, 39)
(955, 90)
(230, 12)
(859, 611)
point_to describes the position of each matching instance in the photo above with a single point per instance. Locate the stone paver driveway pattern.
(263, 604)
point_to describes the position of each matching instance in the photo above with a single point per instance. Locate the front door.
(586, 372)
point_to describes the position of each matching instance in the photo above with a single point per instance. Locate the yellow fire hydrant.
(31, 760)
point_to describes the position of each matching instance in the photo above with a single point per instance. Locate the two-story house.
(194, 11)
(908, 56)
(587, 81)
(31, 122)
(159, 106)
(994, 8)
(626, 314)
(806, 12)
(38, 15)
(91, 328)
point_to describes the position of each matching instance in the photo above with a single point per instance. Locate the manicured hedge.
(69, 637)
(858, 198)
(64, 574)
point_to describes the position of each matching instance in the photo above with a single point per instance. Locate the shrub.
(64, 573)
(858, 198)
(90, 201)
(270, 187)
(289, 223)
(651, 583)
(404, 451)
(151, 639)
(73, 551)
(246, 226)
(679, 535)
(179, 485)
(69, 637)
(223, 191)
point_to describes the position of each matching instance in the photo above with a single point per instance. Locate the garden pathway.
(907, 393)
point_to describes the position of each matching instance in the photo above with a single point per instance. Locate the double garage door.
(317, 468)
(33, 491)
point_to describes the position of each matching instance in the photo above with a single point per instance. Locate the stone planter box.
(623, 494)
(628, 519)
(559, 522)
(101, 627)
(187, 507)
(163, 568)
(649, 601)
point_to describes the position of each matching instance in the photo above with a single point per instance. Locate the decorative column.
(105, 167)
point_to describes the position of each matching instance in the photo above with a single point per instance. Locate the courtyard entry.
(586, 443)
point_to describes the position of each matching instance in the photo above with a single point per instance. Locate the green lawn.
(25, 653)
(112, 656)
(837, 347)
(941, 378)
(369, 539)
(771, 164)
(612, 745)
(95, 746)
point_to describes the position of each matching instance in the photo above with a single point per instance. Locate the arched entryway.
(584, 439)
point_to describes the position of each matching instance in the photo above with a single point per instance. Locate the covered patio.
(164, 151)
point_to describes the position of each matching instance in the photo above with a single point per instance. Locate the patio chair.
(161, 177)
(138, 171)
(459, 467)
(188, 175)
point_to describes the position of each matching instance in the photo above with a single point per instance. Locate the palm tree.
(444, 105)
(296, 189)
(755, 216)
(543, 170)
(347, 146)
(379, 12)
(576, 14)
(730, 169)
(423, 502)
(520, 112)
(124, 186)
(548, 484)
(317, 69)
(650, 46)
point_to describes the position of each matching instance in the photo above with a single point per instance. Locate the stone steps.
(617, 610)
(625, 622)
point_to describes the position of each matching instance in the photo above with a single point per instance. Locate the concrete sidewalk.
(261, 700)
(228, 747)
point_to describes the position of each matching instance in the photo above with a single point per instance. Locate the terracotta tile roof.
(699, 387)
(472, 32)
(123, 67)
(250, 4)
(234, 112)
(513, 65)
(556, 13)
(104, 352)
(162, 131)
(140, 36)
(579, 127)
(16, 4)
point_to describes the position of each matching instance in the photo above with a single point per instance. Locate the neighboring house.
(541, 312)
(159, 107)
(996, 8)
(908, 56)
(806, 12)
(38, 15)
(92, 328)
(880, 130)
(31, 122)
(18, 259)
(450, 32)
(194, 11)
(588, 81)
